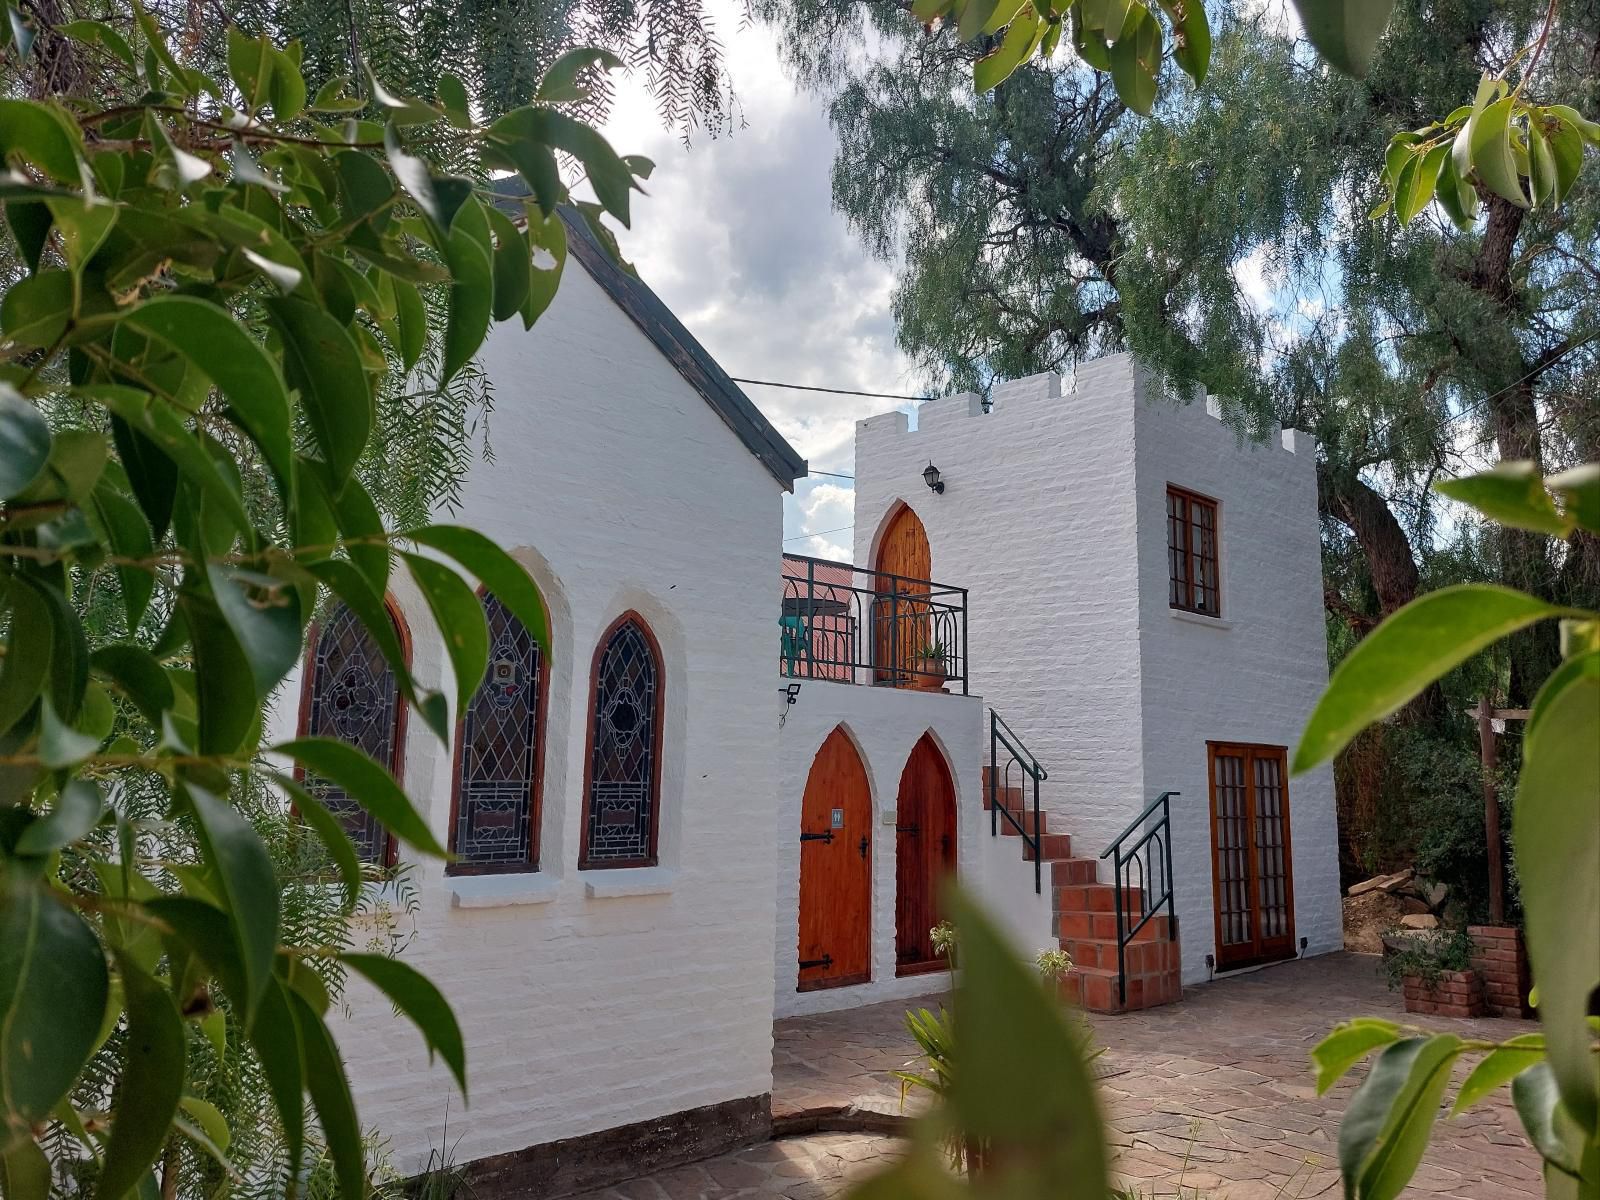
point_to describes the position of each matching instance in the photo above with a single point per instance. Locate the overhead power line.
(805, 387)
(800, 537)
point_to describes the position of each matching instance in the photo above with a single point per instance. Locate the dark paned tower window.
(1192, 553)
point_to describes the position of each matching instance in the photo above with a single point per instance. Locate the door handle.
(865, 845)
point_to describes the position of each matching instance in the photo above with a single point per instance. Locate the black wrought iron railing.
(1142, 865)
(1014, 779)
(850, 625)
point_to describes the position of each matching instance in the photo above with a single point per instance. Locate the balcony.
(848, 625)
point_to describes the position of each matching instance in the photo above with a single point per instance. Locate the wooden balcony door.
(924, 855)
(1252, 869)
(900, 613)
(835, 869)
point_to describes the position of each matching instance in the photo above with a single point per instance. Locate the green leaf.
(368, 784)
(1538, 1102)
(322, 362)
(24, 1170)
(1556, 830)
(228, 713)
(411, 318)
(1498, 1068)
(275, 1037)
(210, 1120)
(471, 288)
(1419, 188)
(60, 745)
(560, 82)
(83, 225)
(27, 660)
(547, 236)
(24, 442)
(1386, 1126)
(453, 99)
(329, 832)
(1579, 490)
(135, 671)
(1193, 37)
(1136, 59)
(994, 68)
(501, 575)
(77, 810)
(1345, 32)
(202, 929)
(513, 269)
(330, 1092)
(150, 1083)
(401, 110)
(607, 173)
(264, 615)
(1489, 147)
(42, 135)
(1512, 493)
(243, 870)
(126, 532)
(413, 175)
(1347, 1045)
(1416, 645)
(69, 651)
(424, 1004)
(97, 33)
(249, 66)
(53, 990)
(1018, 1074)
(461, 624)
(288, 87)
(1541, 165)
(1566, 152)
(209, 337)
(973, 16)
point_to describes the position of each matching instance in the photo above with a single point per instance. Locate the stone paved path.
(1213, 1096)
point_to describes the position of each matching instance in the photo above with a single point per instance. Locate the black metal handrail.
(1001, 736)
(843, 623)
(1152, 855)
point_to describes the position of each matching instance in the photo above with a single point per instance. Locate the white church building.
(736, 783)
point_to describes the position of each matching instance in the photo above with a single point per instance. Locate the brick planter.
(1452, 994)
(1500, 957)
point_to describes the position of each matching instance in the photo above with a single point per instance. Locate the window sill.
(502, 891)
(632, 881)
(1194, 618)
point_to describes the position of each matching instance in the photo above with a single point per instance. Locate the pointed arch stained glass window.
(620, 811)
(497, 812)
(355, 698)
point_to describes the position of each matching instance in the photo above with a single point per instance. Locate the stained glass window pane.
(622, 770)
(354, 698)
(500, 750)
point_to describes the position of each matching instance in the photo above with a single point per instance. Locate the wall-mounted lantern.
(931, 478)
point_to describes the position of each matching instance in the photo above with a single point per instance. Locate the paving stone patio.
(1213, 1096)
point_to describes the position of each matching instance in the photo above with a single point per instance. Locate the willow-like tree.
(1227, 241)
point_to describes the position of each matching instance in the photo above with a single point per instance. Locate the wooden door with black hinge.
(924, 855)
(835, 869)
(1252, 869)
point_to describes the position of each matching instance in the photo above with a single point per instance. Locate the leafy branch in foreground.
(1554, 1076)
(217, 275)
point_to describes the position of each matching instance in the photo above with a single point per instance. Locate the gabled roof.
(656, 321)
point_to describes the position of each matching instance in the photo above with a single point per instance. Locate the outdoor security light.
(931, 478)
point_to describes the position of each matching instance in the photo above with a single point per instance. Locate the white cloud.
(738, 236)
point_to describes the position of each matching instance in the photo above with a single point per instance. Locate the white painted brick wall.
(1054, 517)
(619, 488)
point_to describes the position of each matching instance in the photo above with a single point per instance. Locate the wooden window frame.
(396, 767)
(1195, 560)
(654, 857)
(541, 713)
(1250, 751)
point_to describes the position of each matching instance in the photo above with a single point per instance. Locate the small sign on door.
(838, 818)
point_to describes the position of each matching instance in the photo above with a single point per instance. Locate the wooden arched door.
(924, 855)
(900, 619)
(835, 869)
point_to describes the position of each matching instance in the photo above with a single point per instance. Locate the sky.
(738, 236)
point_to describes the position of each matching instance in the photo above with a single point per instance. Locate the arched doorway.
(924, 854)
(835, 869)
(900, 618)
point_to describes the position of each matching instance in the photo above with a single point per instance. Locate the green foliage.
(1557, 838)
(1427, 954)
(223, 279)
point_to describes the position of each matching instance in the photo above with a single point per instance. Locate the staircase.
(1084, 910)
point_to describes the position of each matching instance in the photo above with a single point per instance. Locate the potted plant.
(928, 670)
(1435, 971)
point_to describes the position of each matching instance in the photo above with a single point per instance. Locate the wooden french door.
(899, 618)
(1252, 870)
(924, 855)
(835, 869)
